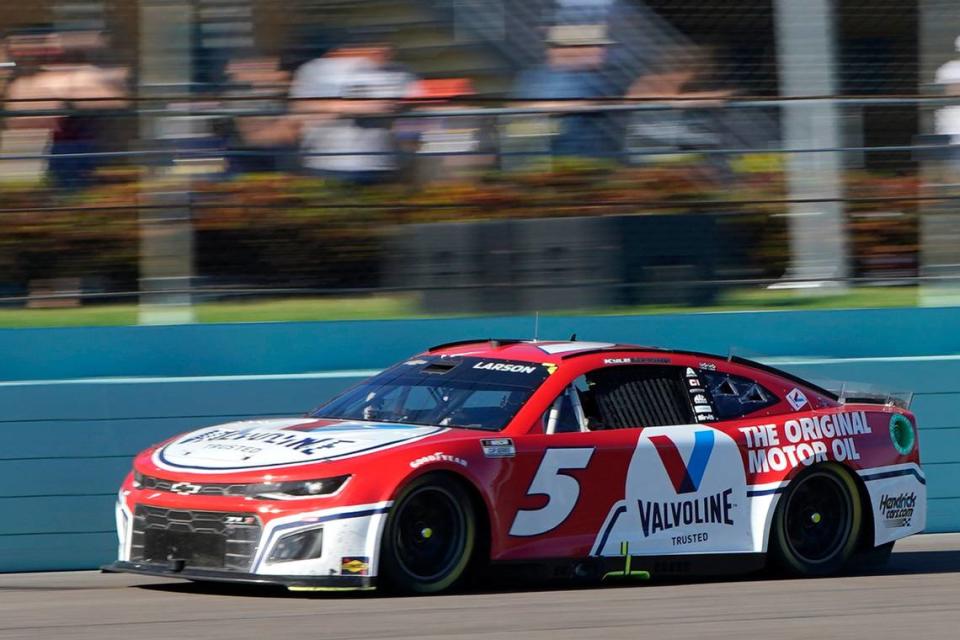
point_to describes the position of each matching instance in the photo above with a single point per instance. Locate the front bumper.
(294, 583)
(348, 559)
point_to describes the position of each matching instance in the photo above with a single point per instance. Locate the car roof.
(536, 350)
(556, 351)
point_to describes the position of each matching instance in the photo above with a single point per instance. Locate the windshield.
(472, 393)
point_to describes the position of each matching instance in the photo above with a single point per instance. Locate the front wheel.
(429, 537)
(817, 524)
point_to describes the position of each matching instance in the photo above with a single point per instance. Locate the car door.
(621, 459)
(685, 488)
(562, 485)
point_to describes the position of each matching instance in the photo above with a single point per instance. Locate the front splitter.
(294, 583)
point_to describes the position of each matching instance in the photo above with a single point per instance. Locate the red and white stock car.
(578, 459)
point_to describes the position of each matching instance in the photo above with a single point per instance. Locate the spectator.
(260, 143)
(571, 79)
(52, 74)
(686, 73)
(6, 67)
(345, 101)
(448, 147)
(948, 118)
(27, 50)
(685, 80)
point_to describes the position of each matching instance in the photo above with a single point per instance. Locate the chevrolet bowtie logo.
(185, 488)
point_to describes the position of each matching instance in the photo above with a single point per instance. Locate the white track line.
(365, 373)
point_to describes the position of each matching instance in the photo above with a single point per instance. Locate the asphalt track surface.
(917, 596)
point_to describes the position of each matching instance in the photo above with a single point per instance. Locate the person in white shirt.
(948, 118)
(345, 101)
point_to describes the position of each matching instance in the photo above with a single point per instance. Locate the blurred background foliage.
(295, 231)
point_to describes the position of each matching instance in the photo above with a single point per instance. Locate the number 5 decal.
(562, 490)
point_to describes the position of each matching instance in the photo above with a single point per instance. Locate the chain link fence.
(175, 160)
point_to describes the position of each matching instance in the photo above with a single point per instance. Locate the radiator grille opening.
(204, 539)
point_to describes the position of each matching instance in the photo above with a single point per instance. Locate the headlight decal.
(294, 490)
(297, 490)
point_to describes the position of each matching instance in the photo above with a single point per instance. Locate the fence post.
(807, 62)
(166, 226)
(939, 26)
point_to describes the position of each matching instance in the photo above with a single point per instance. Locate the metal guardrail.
(515, 109)
(195, 153)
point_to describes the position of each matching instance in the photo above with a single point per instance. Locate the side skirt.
(635, 567)
(293, 583)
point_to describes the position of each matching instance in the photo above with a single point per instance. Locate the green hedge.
(284, 230)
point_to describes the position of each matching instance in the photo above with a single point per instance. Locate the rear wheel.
(817, 524)
(429, 537)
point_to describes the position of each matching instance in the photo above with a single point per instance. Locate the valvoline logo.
(685, 491)
(685, 476)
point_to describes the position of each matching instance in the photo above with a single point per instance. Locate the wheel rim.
(818, 518)
(430, 534)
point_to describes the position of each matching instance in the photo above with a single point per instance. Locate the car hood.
(279, 443)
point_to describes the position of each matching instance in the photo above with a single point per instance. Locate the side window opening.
(637, 396)
(736, 396)
(725, 388)
(753, 395)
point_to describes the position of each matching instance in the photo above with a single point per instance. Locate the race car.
(580, 460)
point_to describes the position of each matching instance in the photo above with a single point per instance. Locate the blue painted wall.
(77, 404)
(277, 348)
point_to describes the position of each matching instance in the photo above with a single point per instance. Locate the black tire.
(817, 524)
(429, 537)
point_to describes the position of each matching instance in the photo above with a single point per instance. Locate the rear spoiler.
(901, 399)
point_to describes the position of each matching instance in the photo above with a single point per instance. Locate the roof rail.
(736, 359)
(588, 352)
(633, 348)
